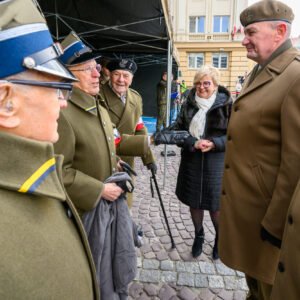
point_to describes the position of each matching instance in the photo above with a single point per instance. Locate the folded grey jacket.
(109, 229)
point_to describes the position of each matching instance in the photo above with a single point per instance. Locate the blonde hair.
(207, 70)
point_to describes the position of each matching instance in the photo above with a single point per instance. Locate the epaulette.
(135, 92)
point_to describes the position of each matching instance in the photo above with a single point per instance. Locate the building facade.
(209, 32)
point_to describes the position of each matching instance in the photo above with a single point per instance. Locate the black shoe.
(215, 253)
(198, 243)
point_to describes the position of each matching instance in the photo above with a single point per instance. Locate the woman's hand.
(204, 145)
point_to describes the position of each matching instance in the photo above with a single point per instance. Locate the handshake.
(170, 137)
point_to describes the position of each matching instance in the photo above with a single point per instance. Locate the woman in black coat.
(205, 115)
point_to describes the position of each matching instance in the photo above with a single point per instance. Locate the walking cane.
(161, 204)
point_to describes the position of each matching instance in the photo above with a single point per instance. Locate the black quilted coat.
(200, 174)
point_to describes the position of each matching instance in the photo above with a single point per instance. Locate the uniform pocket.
(257, 172)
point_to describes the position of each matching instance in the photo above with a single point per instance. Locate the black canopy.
(134, 28)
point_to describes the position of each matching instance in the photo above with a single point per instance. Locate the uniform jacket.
(87, 142)
(286, 285)
(200, 174)
(262, 166)
(161, 91)
(126, 118)
(44, 250)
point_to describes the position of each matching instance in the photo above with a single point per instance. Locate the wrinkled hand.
(204, 145)
(111, 192)
(152, 167)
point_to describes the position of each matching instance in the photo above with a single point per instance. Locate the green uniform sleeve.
(84, 190)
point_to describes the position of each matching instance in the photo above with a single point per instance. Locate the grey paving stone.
(215, 281)
(201, 281)
(166, 292)
(239, 295)
(225, 295)
(206, 294)
(151, 289)
(162, 255)
(187, 294)
(207, 268)
(167, 265)
(242, 284)
(149, 255)
(230, 282)
(150, 276)
(151, 264)
(186, 279)
(224, 270)
(180, 266)
(192, 267)
(174, 255)
(168, 276)
(135, 289)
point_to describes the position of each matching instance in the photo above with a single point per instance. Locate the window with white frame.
(220, 60)
(221, 24)
(197, 24)
(196, 60)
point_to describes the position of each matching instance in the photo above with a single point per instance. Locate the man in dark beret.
(125, 106)
(262, 162)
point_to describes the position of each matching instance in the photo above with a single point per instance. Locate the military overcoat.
(44, 251)
(262, 166)
(126, 117)
(86, 140)
(286, 285)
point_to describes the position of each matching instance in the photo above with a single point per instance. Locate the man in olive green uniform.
(86, 133)
(44, 251)
(161, 91)
(125, 106)
(262, 160)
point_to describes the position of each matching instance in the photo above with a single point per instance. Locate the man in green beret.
(44, 251)
(262, 162)
(125, 106)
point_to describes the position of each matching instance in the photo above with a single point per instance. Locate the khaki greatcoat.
(44, 250)
(286, 285)
(262, 166)
(126, 117)
(87, 142)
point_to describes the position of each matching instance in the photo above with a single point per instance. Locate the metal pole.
(169, 80)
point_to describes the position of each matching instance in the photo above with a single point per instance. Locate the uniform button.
(281, 267)
(226, 166)
(236, 108)
(290, 219)
(114, 169)
(229, 138)
(69, 213)
(104, 123)
(109, 138)
(223, 192)
(112, 154)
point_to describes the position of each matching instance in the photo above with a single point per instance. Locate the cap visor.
(56, 68)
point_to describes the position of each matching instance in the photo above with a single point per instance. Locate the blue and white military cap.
(75, 51)
(26, 43)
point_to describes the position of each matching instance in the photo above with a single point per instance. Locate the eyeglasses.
(205, 84)
(63, 89)
(89, 69)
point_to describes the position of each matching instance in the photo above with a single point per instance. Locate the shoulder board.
(135, 92)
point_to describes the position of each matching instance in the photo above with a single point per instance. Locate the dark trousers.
(258, 290)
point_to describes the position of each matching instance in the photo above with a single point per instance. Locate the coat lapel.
(269, 72)
(128, 111)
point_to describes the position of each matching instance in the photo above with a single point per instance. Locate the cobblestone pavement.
(165, 273)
